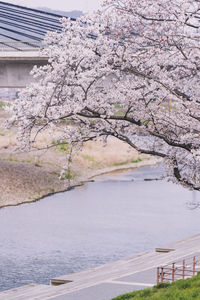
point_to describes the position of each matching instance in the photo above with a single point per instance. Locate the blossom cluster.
(131, 71)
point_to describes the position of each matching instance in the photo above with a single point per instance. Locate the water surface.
(117, 215)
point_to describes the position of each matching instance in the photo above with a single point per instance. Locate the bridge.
(15, 68)
(22, 31)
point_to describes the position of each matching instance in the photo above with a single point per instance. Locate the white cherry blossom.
(132, 71)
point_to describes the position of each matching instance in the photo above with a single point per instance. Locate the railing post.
(173, 271)
(194, 263)
(184, 269)
(162, 275)
(158, 275)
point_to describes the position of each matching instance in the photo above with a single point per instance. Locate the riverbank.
(27, 177)
(23, 182)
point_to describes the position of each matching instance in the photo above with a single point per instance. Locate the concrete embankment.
(107, 281)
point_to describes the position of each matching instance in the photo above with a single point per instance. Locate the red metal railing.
(185, 268)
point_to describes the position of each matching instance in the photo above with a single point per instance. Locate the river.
(117, 215)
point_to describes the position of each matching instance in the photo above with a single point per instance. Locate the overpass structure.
(22, 31)
(15, 68)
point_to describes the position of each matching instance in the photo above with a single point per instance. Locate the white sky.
(66, 5)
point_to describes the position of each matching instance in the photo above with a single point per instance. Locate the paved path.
(107, 281)
(113, 288)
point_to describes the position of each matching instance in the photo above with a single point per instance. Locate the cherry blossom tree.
(132, 71)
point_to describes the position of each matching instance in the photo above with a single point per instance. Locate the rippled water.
(117, 215)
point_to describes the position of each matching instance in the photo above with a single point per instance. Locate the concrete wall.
(15, 72)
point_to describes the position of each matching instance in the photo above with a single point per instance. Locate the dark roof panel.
(22, 26)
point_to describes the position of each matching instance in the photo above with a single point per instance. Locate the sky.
(66, 5)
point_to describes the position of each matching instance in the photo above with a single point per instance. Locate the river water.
(117, 215)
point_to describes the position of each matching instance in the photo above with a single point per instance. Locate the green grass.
(117, 105)
(63, 147)
(133, 161)
(68, 176)
(89, 158)
(3, 104)
(119, 111)
(12, 159)
(188, 289)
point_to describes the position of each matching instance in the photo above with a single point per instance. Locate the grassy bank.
(29, 176)
(188, 289)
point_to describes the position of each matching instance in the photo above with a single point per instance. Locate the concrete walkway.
(107, 281)
(113, 288)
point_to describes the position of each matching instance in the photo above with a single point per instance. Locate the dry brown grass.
(29, 176)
